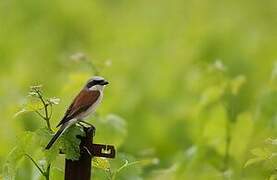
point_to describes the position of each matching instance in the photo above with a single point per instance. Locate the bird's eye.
(98, 81)
(90, 84)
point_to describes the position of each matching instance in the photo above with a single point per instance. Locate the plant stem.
(109, 174)
(51, 111)
(40, 170)
(227, 147)
(94, 68)
(46, 118)
(47, 173)
(125, 165)
(48, 124)
(40, 114)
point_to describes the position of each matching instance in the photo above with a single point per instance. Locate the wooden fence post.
(81, 169)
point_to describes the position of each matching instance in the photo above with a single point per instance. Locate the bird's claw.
(90, 125)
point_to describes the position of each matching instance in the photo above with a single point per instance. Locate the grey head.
(96, 80)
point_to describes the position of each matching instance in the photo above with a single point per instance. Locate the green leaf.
(111, 130)
(253, 161)
(26, 142)
(261, 155)
(115, 167)
(125, 166)
(22, 111)
(33, 104)
(259, 152)
(212, 94)
(101, 163)
(170, 173)
(237, 83)
(43, 137)
(271, 141)
(149, 161)
(141, 163)
(56, 173)
(24, 145)
(12, 161)
(273, 177)
(70, 142)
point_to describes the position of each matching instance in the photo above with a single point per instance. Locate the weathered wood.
(100, 150)
(81, 169)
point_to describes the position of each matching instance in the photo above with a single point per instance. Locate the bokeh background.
(192, 82)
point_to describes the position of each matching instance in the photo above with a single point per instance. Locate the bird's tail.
(57, 135)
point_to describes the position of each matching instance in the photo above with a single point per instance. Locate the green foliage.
(111, 129)
(264, 154)
(124, 167)
(43, 136)
(70, 142)
(24, 146)
(101, 163)
(33, 102)
(28, 142)
(10, 167)
(194, 82)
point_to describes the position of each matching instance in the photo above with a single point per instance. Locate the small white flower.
(219, 65)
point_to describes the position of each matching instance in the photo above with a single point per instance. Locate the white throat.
(97, 88)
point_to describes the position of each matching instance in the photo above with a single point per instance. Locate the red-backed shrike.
(83, 105)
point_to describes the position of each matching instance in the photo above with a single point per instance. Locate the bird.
(84, 104)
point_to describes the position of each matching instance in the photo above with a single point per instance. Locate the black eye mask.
(94, 82)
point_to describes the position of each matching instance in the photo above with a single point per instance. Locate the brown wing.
(80, 104)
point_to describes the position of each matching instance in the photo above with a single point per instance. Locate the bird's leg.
(79, 123)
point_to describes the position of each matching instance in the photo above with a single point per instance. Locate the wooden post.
(81, 169)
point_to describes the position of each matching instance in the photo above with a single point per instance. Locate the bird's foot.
(84, 122)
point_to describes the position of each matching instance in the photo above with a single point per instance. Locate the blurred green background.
(194, 81)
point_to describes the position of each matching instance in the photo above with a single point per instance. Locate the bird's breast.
(92, 108)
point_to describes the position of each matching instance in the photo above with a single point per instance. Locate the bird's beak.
(104, 82)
